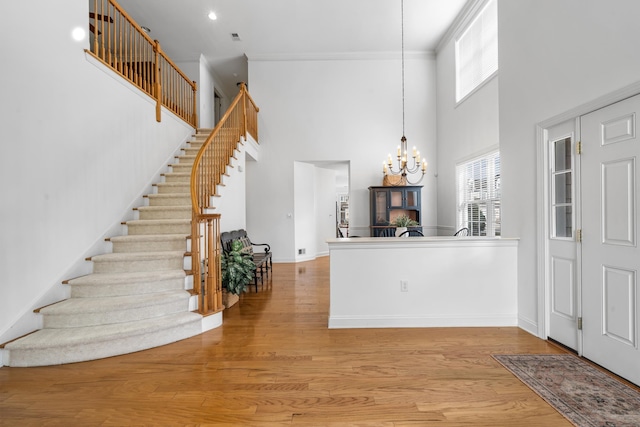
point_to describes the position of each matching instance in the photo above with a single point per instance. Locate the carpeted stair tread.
(96, 279)
(149, 237)
(80, 312)
(165, 212)
(130, 284)
(92, 305)
(138, 261)
(137, 256)
(158, 226)
(178, 186)
(59, 337)
(58, 346)
(177, 177)
(132, 244)
(169, 199)
(158, 221)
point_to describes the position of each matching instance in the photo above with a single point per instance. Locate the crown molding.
(341, 56)
(468, 12)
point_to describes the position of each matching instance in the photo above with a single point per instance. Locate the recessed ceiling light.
(212, 15)
(235, 37)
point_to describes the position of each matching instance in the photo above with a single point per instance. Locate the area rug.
(581, 393)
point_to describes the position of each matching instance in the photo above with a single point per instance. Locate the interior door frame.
(542, 193)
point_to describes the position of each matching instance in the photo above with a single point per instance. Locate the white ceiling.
(289, 28)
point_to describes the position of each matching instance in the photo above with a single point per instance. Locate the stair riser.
(121, 289)
(132, 266)
(191, 151)
(182, 168)
(156, 246)
(77, 320)
(177, 178)
(151, 228)
(170, 201)
(81, 352)
(186, 160)
(165, 214)
(174, 188)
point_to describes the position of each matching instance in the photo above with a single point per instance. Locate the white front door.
(562, 261)
(610, 254)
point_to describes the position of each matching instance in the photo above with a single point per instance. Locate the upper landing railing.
(121, 44)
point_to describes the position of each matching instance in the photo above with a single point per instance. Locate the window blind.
(479, 195)
(477, 51)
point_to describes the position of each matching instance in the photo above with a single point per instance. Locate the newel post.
(243, 88)
(194, 118)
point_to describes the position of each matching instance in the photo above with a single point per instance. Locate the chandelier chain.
(402, 58)
(407, 164)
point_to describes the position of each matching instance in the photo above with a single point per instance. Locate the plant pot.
(228, 299)
(400, 230)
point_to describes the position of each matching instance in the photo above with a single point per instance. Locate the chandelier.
(405, 167)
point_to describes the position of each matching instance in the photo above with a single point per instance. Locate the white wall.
(304, 212)
(200, 72)
(231, 205)
(346, 109)
(80, 149)
(554, 56)
(464, 130)
(325, 207)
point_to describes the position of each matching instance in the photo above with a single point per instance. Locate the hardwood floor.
(274, 362)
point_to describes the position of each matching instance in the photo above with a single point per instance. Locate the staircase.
(136, 297)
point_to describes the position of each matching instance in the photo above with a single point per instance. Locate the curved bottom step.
(58, 346)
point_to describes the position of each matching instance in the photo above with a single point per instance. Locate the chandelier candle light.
(403, 167)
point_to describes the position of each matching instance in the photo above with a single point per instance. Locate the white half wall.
(448, 281)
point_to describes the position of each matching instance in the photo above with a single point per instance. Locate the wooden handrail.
(121, 44)
(209, 166)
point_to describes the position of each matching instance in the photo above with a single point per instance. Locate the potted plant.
(402, 222)
(237, 270)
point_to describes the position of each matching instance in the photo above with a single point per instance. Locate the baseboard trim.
(345, 322)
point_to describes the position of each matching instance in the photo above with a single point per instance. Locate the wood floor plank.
(274, 363)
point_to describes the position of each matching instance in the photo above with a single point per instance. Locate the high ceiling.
(289, 28)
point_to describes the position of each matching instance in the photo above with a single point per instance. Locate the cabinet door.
(412, 198)
(397, 198)
(381, 205)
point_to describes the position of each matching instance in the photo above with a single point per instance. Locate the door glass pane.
(564, 223)
(396, 198)
(563, 188)
(381, 207)
(412, 198)
(562, 154)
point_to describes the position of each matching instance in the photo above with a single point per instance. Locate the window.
(477, 51)
(562, 188)
(479, 195)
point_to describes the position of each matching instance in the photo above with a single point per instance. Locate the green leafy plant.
(404, 221)
(237, 269)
